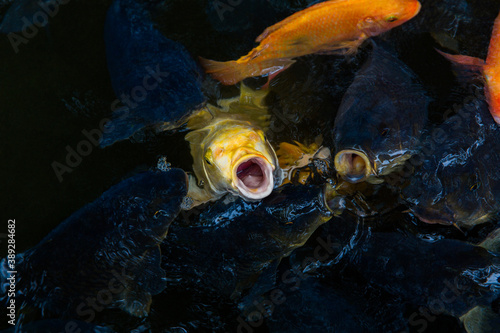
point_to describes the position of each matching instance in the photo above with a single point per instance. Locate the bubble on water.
(187, 202)
(162, 164)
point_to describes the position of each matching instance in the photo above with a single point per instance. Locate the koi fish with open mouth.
(230, 151)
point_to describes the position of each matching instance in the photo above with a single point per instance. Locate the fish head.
(375, 143)
(380, 120)
(386, 15)
(239, 158)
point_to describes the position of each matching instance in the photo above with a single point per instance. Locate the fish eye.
(262, 135)
(391, 18)
(384, 132)
(208, 157)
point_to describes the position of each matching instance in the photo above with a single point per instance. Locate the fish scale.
(327, 27)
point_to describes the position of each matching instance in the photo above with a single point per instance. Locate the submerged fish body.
(314, 306)
(448, 263)
(326, 27)
(380, 119)
(458, 182)
(229, 248)
(230, 151)
(154, 78)
(372, 279)
(112, 244)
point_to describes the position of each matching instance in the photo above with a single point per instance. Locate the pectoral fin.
(196, 195)
(343, 48)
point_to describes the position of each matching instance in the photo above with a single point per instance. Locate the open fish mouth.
(352, 165)
(253, 177)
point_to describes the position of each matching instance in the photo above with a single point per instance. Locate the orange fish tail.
(474, 64)
(466, 68)
(228, 72)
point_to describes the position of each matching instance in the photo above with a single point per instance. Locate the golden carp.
(230, 151)
(324, 28)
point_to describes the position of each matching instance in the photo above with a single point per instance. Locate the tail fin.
(466, 67)
(492, 242)
(228, 73)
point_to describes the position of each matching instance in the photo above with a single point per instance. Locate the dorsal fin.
(201, 117)
(249, 106)
(295, 16)
(252, 97)
(466, 67)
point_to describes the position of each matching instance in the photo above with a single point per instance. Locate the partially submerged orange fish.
(489, 68)
(335, 26)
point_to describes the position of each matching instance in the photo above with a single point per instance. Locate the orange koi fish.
(335, 26)
(489, 68)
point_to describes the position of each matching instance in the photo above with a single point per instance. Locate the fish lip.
(267, 169)
(341, 170)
